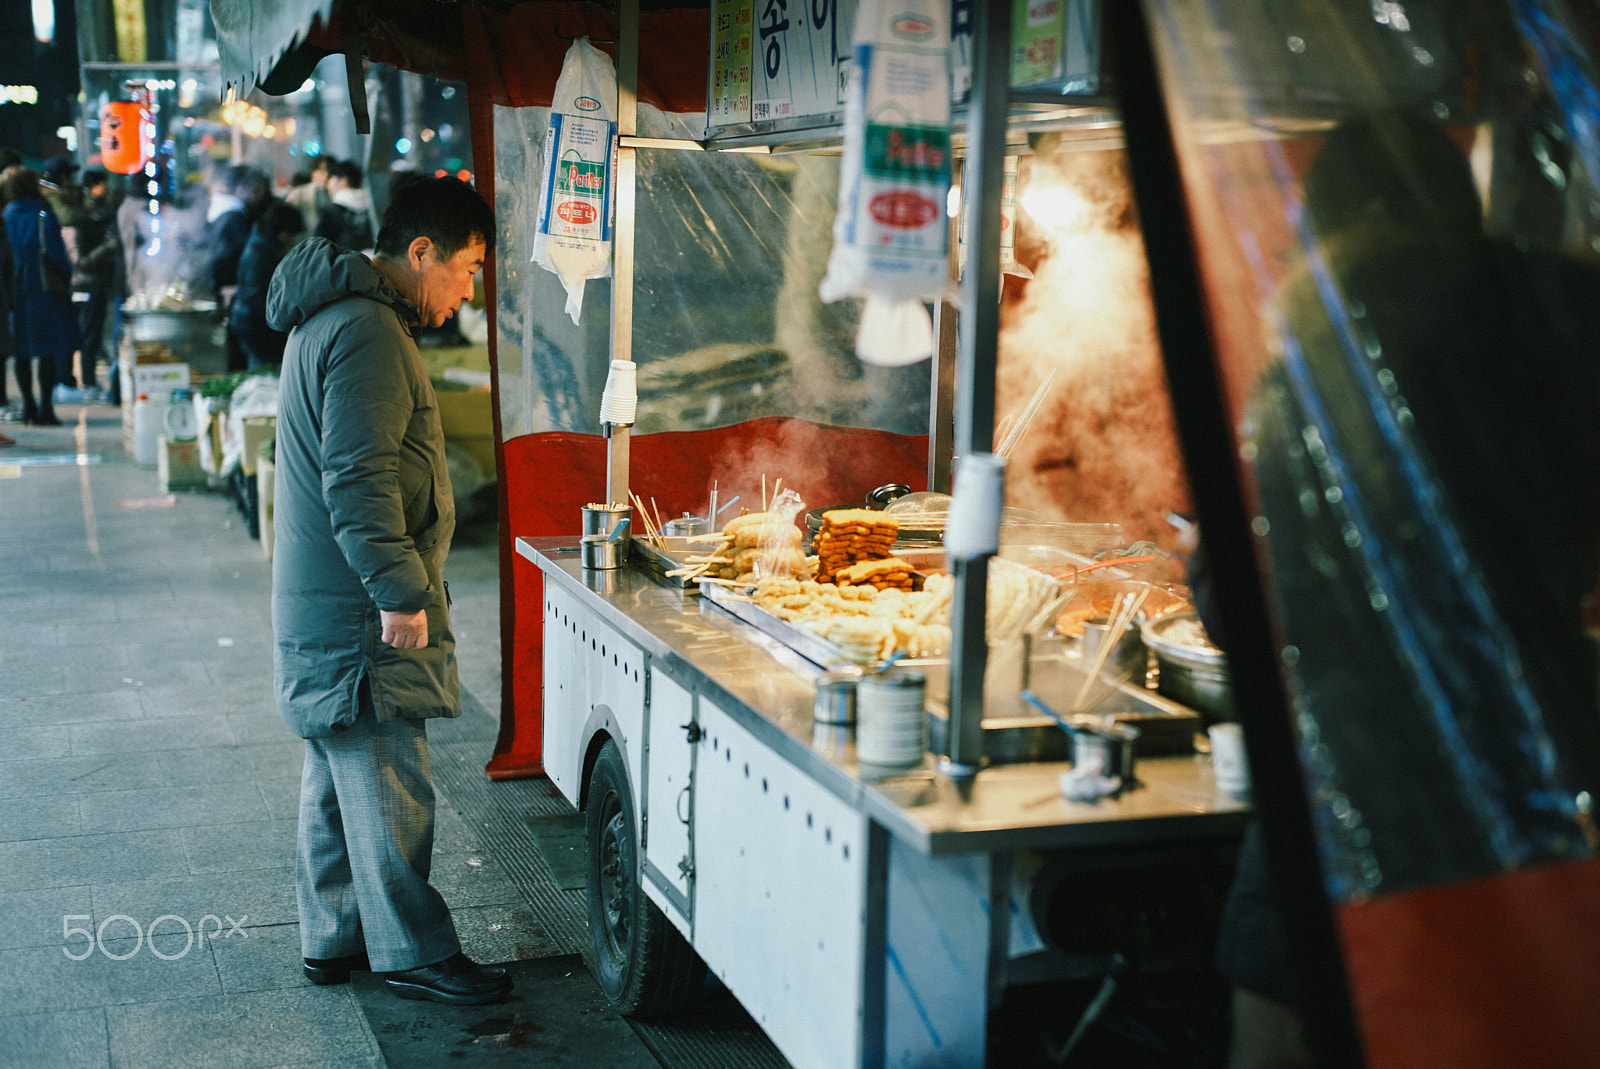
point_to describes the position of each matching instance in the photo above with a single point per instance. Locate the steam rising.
(1103, 447)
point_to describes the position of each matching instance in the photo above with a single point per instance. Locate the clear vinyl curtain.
(730, 248)
(1398, 218)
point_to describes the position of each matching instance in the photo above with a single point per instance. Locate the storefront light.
(426, 136)
(44, 21)
(1056, 208)
(403, 145)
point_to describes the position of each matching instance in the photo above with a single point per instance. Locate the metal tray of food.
(808, 644)
(668, 557)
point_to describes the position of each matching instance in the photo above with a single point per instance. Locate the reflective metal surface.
(770, 689)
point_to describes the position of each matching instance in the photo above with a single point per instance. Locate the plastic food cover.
(1397, 212)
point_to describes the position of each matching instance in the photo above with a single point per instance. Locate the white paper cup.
(1228, 760)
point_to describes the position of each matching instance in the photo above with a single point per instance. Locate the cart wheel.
(644, 965)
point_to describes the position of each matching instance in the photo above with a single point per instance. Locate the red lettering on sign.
(576, 212)
(903, 210)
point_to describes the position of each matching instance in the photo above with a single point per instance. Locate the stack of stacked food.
(849, 536)
(890, 573)
(750, 547)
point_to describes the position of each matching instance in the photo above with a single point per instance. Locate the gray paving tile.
(253, 671)
(47, 817)
(502, 933)
(205, 764)
(263, 844)
(245, 1031)
(26, 743)
(23, 563)
(279, 760)
(26, 657)
(96, 678)
(96, 633)
(21, 636)
(473, 879)
(98, 772)
(262, 727)
(251, 897)
(162, 702)
(172, 807)
(33, 918)
(269, 960)
(123, 737)
(86, 858)
(43, 979)
(183, 646)
(72, 1040)
(282, 797)
(36, 679)
(67, 709)
(38, 605)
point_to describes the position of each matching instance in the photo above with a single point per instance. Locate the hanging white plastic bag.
(891, 235)
(573, 236)
(1008, 226)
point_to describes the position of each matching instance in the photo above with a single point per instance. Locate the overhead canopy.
(507, 54)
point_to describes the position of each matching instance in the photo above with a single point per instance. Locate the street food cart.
(880, 920)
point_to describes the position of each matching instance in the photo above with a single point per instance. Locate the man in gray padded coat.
(364, 652)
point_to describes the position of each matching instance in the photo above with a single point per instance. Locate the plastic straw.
(1026, 418)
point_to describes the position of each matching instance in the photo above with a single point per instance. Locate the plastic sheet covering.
(1397, 210)
(727, 323)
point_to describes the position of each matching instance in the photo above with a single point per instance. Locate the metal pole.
(942, 384)
(987, 112)
(617, 437)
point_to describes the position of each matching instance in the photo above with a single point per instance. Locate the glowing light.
(313, 148)
(19, 94)
(403, 145)
(464, 174)
(269, 132)
(1056, 208)
(426, 136)
(442, 173)
(952, 202)
(44, 21)
(288, 127)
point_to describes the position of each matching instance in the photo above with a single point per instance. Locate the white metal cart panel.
(668, 767)
(780, 894)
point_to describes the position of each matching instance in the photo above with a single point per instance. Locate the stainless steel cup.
(601, 521)
(598, 554)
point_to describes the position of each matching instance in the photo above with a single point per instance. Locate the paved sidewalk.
(148, 788)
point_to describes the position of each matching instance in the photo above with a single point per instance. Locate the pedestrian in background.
(365, 655)
(43, 324)
(311, 198)
(278, 228)
(10, 160)
(97, 276)
(60, 189)
(345, 220)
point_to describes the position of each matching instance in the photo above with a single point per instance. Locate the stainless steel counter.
(770, 688)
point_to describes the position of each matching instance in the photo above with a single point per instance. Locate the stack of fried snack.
(849, 536)
(888, 573)
(750, 547)
(868, 624)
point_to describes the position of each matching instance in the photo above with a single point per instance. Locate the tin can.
(891, 722)
(836, 698)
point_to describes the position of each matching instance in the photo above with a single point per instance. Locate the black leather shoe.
(336, 970)
(455, 981)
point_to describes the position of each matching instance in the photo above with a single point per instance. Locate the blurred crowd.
(77, 246)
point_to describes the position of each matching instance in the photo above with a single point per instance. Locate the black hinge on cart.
(692, 732)
(686, 867)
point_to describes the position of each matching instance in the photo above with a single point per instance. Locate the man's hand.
(405, 630)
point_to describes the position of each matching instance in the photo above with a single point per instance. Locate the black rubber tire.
(645, 967)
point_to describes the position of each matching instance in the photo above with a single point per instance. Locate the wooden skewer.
(1126, 608)
(661, 540)
(649, 527)
(777, 487)
(763, 491)
(722, 582)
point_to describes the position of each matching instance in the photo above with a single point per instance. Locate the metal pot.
(1190, 673)
(193, 334)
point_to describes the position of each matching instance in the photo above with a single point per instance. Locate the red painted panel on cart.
(550, 477)
(1495, 972)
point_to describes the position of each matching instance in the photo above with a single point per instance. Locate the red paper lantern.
(122, 136)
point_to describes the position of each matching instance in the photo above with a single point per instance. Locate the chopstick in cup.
(1127, 606)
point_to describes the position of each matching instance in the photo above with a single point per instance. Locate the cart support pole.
(987, 112)
(617, 436)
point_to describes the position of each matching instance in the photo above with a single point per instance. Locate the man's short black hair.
(349, 170)
(445, 210)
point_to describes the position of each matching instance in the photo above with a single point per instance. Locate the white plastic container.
(147, 420)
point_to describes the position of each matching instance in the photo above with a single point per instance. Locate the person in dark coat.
(364, 652)
(233, 210)
(44, 326)
(343, 220)
(9, 161)
(270, 238)
(99, 269)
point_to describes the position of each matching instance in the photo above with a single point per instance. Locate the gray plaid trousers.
(366, 847)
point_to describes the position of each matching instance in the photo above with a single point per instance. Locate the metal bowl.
(1188, 673)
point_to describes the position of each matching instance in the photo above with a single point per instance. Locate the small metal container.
(1192, 675)
(600, 521)
(600, 555)
(686, 526)
(836, 698)
(1130, 656)
(1108, 747)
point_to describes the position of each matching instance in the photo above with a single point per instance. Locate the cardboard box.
(467, 418)
(265, 473)
(258, 430)
(178, 464)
